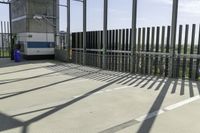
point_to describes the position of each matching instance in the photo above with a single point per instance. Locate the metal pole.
(84, 30)
(173, 37)
(68, 30)
(57, 23)
(133, 36)
(105, 28)
(11, 35)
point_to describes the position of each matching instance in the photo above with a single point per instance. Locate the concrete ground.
(55, 97)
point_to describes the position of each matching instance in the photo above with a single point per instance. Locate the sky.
(150, 13)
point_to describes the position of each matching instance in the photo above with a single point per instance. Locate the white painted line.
(150, 115)
(182, 103)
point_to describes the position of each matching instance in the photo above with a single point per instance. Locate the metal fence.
(152, 52)
(4, 39)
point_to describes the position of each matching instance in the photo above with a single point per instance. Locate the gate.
(5, 41)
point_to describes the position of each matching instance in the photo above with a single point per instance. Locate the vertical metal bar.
(143, 50)
(162, 51)
(173, 37)
(84, 30)
(123, 49)
(72, 46)
(198, 60)
(109, 48)
(133, 36)
(120, 48)
(126, 49)
(113, 48)
(179, 51)
(138, 50)
(11, 34)
(101, 47)
(57, 23)
(68, 29)
(192, 52)
(105, 28)
(93, 47)
(147, 50)
(167, 51)
(2, 40)
(6, 42)
(77, 42)
(9, 41)
(81, 46)
(129, 49)
(116, 48)
(95, 53)
(152, 49)
(90, 46)
(157, 49)
(185, 51)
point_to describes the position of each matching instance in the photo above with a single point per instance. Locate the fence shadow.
(13, 124)
(140, 81)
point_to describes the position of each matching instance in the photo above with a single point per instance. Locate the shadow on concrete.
(42, 87)
(53, 110)
(34, 77)
(163, 86)
(23, 70)
(7, 122)
(8, 63)
(148, 123)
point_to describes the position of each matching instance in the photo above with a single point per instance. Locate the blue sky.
(150, 13)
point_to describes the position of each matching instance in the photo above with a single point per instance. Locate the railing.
(153, 51)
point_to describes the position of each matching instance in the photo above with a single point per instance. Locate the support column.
(105, 29)
(173, 38)
(133, 36)
(84, 30)
(11, 36)
(57, 23)
(68, 30)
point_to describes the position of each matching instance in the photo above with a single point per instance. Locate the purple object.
(17, 55)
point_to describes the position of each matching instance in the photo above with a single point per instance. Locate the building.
(34, 23)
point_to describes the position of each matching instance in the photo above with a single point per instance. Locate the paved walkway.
(54, 97)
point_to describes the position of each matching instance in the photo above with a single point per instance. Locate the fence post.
(84, 30)
(68, 29)
(105, 29)
(173, 37)
(133, 36)
(11, 35)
